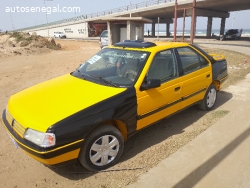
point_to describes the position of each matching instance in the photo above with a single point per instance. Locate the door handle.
(177, 88)
(208, 75)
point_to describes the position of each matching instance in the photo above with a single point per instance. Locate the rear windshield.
(203, 52)
(232, 31)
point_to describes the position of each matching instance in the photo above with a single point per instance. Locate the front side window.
(191, 60)
(163, 66)
(118, 67)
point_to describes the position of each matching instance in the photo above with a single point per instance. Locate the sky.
(16, 20)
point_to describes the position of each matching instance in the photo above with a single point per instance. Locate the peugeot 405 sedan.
(89, 114)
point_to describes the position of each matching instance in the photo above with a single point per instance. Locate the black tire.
(107, 154)
(209, 99)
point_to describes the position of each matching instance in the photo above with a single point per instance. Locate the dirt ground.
(142, 152)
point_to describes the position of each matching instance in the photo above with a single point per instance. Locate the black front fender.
(121, 107)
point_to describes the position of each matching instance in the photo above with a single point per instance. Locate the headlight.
(39, 138)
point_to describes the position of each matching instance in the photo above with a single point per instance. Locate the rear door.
(196, 75)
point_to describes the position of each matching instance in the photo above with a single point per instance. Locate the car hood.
(42, 105)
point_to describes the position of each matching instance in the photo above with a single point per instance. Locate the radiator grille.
(19, 129)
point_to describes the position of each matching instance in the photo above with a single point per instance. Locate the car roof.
(148, 46)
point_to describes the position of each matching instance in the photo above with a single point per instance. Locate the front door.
(157, 103)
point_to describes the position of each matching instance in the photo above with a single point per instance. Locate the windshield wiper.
(79, 72)
(103, 79)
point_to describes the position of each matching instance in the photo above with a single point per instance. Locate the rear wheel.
(102, 148)
(209, 99)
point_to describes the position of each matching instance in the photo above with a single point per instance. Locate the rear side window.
(191, 60)
(104, 34)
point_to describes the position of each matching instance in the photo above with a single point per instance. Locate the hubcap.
(211, 97)
(104, 150)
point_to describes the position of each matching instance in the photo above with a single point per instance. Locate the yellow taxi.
(89, 114)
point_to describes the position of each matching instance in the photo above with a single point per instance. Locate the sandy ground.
(142, 152)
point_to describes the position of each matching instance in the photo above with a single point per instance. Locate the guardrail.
(102, 13)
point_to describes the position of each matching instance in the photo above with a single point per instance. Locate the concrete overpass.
(78, 27)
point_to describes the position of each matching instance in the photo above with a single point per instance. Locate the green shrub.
(19, 36)
(37, 41)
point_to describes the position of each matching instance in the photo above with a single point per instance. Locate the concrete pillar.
(153, 29)
(135, 30)
(130, 30)
(113, 33)
(209, 26)
(109, 33)
(168, 29)
(222, 26)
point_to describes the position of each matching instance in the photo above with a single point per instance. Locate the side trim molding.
(170, 104)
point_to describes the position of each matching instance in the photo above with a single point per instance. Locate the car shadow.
(148, 137)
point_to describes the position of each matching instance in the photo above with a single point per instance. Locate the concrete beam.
(137, 19)
(208, 13)
(163, 20)
(206, 8)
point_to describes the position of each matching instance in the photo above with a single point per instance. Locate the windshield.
(104, 34)
(113, 67)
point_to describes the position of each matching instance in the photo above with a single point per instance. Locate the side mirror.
(151, 83)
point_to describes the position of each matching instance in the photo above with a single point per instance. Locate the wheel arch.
(120, 125)
(217, 84)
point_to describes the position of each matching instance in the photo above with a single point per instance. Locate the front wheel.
(102, 148)
(209, 99)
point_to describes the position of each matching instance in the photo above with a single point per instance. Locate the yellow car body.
(67, 110)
